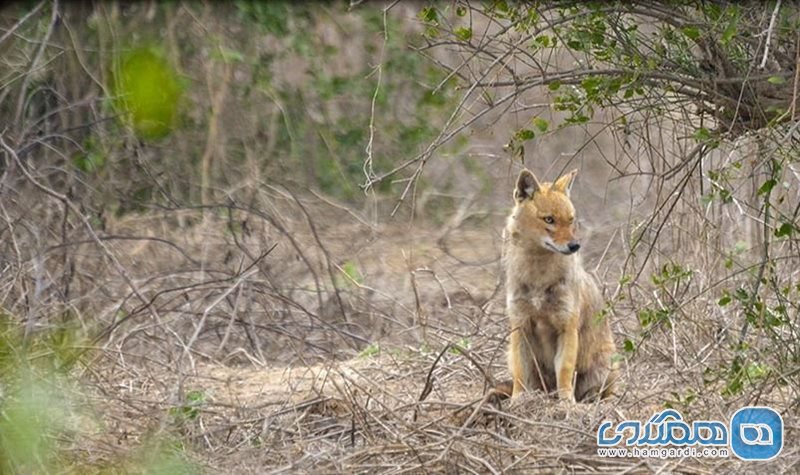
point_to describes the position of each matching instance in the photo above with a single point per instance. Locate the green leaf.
(776, 80)
(701, 134)
(463, 33)
(628, 346)
(785, 230)
(590, 85)
(540, 124)
(461, 10)
(370, 350)
(554, 86)
(575, 44)
(195, 397)
(542, 41)
(577, 119)
(429, 15)
(691, 32)
(724, 300)
(524, 134)
(351, 271)
(729, 32)
(462, 343)
(767, 186)
(431, 32)
(741, 295)
(756, 370)
(89, 163)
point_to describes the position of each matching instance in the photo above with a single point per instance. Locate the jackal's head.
(544, 214)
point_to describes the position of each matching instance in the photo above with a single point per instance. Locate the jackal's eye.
(549, 220)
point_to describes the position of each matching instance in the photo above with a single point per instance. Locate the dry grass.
(295, 335)
(383, 390)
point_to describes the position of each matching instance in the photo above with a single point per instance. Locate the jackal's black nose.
(573, 246)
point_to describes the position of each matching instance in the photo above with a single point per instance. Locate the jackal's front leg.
(566, 358)
(516, 365)
(522, 360)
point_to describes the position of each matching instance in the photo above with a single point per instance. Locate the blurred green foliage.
(32, 413)
(41, 406)
(325, 123)
(146, 91)
(36, 402)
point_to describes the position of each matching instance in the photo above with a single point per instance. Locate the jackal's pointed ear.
(564, 183)
(527, 185)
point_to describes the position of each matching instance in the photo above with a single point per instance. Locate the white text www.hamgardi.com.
(663, 452)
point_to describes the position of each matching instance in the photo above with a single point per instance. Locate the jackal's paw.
(526, 399)
(567, 396)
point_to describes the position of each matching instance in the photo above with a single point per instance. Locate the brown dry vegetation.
(229, 287)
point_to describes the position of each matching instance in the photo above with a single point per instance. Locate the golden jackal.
(557, 341)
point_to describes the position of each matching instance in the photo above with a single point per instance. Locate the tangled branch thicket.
(701, 100)
(208, 267)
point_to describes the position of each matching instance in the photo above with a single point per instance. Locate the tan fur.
(556, 342)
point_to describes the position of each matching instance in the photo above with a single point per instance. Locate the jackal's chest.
(549, 301)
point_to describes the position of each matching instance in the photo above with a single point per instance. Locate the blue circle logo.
(756, 433)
